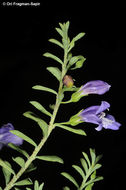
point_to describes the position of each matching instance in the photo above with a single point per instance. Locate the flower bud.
(68, 81)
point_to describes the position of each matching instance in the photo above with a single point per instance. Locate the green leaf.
(79, 170)
(28, 188)
(50, 55)
(78, 63)
(23, 136)
(7, 174)
(55, 72)
(70, 178)
(36, 185)
(0, 188)
(93, 156)
(43, 125)
(30, 168)
(76, 131)
(41, 186)
(56, 42)
(6, 166)
(94, 180)
(89, 187)
(84, 164)
(79, 36)
(97, 166)
(66, 188)
(20, 161)
(24, 182)
(38, 106)
(43, 88)
(23, 152)
(50, 158)
(59, 31)
(86, 158)
(17, 188)
(98, 158)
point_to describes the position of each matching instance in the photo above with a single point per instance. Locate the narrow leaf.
(79, 36)
(50, 55)
(66, 188)
(59, 31)
(93, 156)
(36, 185)
(0, 188)
(23, 152)
(23, 136)
(20, 161)
(98, 158)
(94, 180)
(56, 42)
(76, 131)
(30, 168)
(70, 178)
(97, 166)
(6, 166)
(41, 186)
(86, 158)
(84, 164)
(38, 106)
(55, 72)
(43, 88)
(27, 188)
(23, 182)
(79, 170)
(89, 187)
(51, 158)
(7, 174)
(43, 125)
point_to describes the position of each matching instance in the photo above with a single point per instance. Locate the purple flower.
(96, 115)
(95, 87)
(7, 137)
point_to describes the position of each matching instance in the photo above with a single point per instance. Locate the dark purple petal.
(95, 87)
(104, 105)
(7, 137)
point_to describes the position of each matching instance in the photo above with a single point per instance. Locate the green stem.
(51, 127)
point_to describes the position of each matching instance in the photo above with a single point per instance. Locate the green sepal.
(55, 72)
(75, 120)
(50, 55)
(23, 136)
(50, 158)
(23, 182)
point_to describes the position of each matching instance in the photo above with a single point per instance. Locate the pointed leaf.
(20, 161)
(70, 178)
(7, 174)
(97, 166)
(28, 188)
(18, 149)
(43, 125)
(0, 188)
(38, 106)
(89, 187)
(30, 168)
(56, 42)
(84, 164)
(36, 185)
(23, 136)
(93, 156)
(66, 188)
(79, 170)
(50, 55)
(94, 180)
(59, 31)
(79, 36)
(76, 131)
(86, 158)
(23, 182)
(55, 71)
(6, 166)
(43, 88)
(50, 158)
(98, 158)
(41, 186)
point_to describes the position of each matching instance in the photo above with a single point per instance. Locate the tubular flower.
(91, 87)
(96, 115)
(7, 137)
(95, 87)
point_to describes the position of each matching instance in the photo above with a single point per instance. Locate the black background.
(24, 34)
